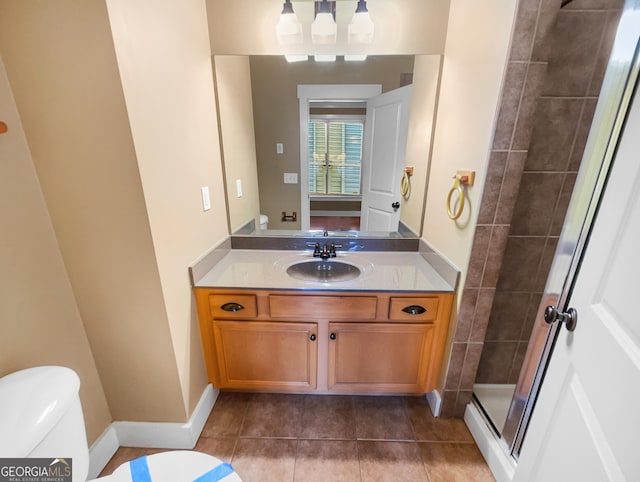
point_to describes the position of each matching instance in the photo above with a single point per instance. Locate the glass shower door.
(620, 79)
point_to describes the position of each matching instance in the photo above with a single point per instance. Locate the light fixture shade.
(355, 57)
(296, 58)
(361, 27)
(289, 28)
(324, 58)
(324, 29)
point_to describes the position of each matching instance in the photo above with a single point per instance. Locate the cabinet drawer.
(414, 309)
(232, 306)
(323, 307)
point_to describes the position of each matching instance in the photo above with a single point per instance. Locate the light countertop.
(266, 269)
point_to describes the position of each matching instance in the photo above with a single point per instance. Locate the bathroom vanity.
(383, 332)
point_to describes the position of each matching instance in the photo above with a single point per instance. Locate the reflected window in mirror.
(335, 156)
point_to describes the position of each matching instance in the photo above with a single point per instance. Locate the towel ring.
(457, 187)
(405, 185)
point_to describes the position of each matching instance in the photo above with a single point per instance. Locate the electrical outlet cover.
(291, 178)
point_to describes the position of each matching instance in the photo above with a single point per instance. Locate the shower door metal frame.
(615, 96)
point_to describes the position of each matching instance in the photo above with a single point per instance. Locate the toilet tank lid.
(32, 401)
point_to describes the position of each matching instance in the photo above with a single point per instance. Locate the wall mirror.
(275, 165)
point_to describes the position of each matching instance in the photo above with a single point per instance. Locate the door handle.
(569, 318)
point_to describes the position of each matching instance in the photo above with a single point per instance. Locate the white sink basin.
(304, 267)
(323, 270)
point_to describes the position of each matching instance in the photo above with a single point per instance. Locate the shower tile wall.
(560, 126)
(549, 95)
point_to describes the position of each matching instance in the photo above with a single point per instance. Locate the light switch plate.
(279, 148)
(239, 187)
(206, 199)
(291, 178)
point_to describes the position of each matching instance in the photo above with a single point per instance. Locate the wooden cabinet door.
(256, 355)
(379, 357)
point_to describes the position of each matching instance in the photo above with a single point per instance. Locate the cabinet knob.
(332, 336)
(232, 307)
(313, 337)
(414, 309)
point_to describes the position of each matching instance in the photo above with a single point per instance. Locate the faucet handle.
(316, 249)
(332, 250)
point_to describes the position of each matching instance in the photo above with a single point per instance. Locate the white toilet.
(41, 416)
(264, 222)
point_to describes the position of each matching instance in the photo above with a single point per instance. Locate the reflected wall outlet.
(279, 148)
(291, 178)
(206, 200)
(239, 187)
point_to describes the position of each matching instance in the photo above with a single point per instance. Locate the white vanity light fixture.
(360, 30)
(289, 28)
(324, 29)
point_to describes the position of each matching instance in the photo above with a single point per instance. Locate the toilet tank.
(41, 416)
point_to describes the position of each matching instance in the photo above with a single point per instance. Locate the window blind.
(335, 156)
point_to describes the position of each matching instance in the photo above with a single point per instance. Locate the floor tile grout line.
(343, 439)
(295, 460)
(244, 417)
(359, 461)
(405, 404)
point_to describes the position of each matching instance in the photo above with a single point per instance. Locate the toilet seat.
(174, 466)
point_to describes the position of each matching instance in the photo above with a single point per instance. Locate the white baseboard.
(435, 402)
(152, 434)
(501, 464)
(101, 451)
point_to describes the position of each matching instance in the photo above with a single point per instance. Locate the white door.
(586, 422)
(385, 144)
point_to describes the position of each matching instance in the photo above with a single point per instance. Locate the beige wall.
(247, 27)
(235, 111)
(275, 96)
(424, 93)
(62, 68)
(164, 59)
(39, 319)
(474, 63)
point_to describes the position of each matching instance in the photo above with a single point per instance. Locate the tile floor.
(275, 437)
(335, 223)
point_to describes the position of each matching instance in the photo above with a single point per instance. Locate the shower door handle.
(570, 317)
